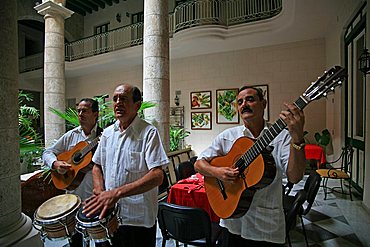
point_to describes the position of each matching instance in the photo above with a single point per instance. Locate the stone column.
(15, 228)
(156, 65)
(54, 66)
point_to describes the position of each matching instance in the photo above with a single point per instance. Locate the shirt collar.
(92, 133)
(247, 132)
(131, 126)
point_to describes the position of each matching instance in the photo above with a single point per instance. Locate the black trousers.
(228, 239)
(76, 240)
(132, 236)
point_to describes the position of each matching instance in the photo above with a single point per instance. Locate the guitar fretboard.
(264, 140)
(90, 146)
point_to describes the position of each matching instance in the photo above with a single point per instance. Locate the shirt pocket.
(268, 218)
(133, 208)
(136, 167)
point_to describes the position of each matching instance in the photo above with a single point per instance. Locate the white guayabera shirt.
(126, 156)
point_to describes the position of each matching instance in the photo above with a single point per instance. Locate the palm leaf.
(70, 116)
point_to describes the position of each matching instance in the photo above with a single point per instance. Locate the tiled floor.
(336, 221)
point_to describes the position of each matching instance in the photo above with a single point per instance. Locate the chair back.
(164, 187)
(311, 186)
(185, 224)
(193, 159)
(347, 159)
(184, 170)
(294, 210)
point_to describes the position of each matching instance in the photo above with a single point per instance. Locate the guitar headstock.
(327, 82)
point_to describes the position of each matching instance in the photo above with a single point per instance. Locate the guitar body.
(239, 194)
(73, 177)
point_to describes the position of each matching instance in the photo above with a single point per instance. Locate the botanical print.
(201, 100)
(201, 120)
(265, 92)
(226, 106)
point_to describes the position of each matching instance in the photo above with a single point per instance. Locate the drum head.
(58, 206)
(93, 218)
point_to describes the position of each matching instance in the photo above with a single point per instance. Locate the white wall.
(288, 69)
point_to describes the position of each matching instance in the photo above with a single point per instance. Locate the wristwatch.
(298, 147)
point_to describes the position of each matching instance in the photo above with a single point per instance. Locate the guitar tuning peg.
(312, 83)
(325, 94)
(332, 88)
(339, 82)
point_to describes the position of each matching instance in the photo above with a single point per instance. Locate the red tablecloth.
(190, 192)
(315, 152)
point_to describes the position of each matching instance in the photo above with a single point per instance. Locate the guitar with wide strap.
(232, 200)
(79, 157)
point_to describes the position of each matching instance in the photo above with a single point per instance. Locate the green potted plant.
(30, 141)
(323, 139)
(177, 134)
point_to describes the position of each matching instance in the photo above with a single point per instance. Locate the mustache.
(246, 109)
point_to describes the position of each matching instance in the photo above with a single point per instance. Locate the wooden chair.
(342, 172)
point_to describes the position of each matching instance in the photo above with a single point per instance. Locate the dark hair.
(94, 104)
(258, 90)
(136, 94)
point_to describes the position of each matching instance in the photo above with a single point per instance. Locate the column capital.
(50, 7)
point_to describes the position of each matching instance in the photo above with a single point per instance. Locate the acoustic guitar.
(232, 200)
(79, 157)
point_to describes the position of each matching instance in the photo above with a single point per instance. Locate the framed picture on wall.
(201, 120)
(227, 112)
(201, 100)
(265, 92)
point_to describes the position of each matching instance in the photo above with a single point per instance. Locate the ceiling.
(84, 7)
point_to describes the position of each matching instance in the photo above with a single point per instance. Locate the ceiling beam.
(84, 5)
(109, 2)
(75, 7)
(94, 6)
(100, 3)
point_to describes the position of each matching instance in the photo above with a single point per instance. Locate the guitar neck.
(89, 147)
(264, 140)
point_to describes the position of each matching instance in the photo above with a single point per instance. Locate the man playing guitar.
(88, 112)
(264, 223)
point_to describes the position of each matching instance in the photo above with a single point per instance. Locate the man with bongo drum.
(128, 171)
(88, 112)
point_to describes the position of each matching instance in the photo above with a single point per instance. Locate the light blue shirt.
(126, 156)
(264, 221)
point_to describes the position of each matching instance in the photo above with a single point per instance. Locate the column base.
(21, 234)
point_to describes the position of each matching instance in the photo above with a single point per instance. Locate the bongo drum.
(55, 218)
(98, 230)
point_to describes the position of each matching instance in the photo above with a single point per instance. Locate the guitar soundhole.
(77, 157)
